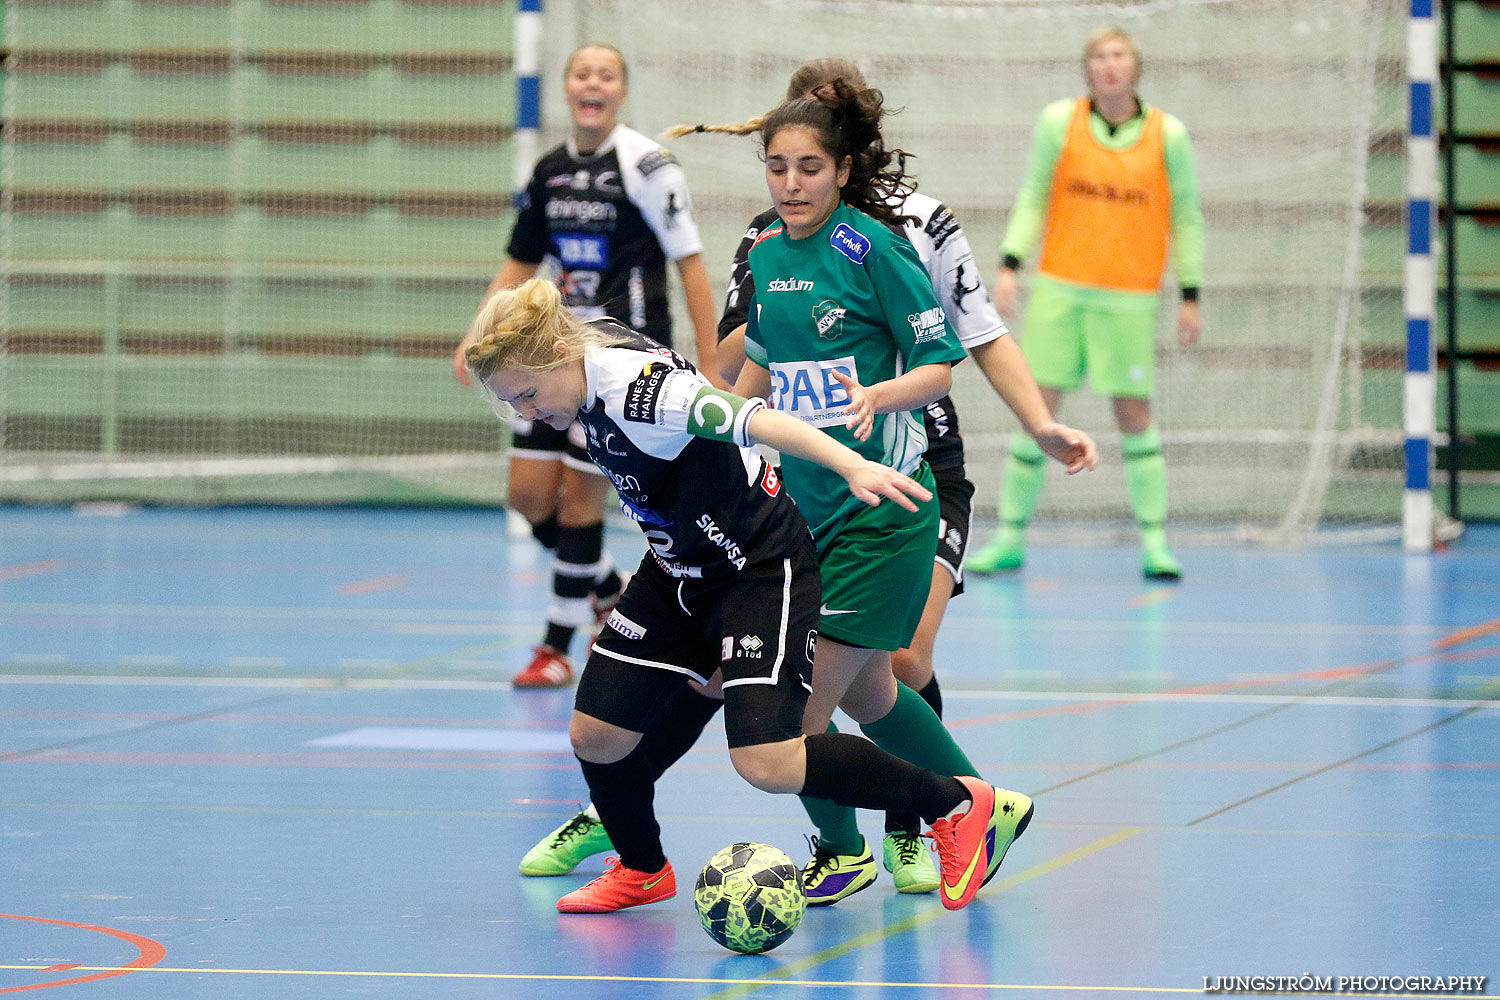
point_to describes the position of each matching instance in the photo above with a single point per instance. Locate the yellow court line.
(515, 976)
(737, 987)
(779, 976)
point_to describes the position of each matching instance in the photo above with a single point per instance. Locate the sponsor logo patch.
(941, 226)
(848, 241)
(928, 324)
(790, 285)
(770, 481)
(642, 395)
(808, 391)
(625, 626)
(581, 250)
(654, 161)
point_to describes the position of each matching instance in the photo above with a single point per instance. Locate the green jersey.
(853, 297)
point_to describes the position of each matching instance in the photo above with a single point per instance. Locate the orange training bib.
(1110, 212)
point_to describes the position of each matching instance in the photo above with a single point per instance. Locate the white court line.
(956, 694)
(417, 616)
(446, 738)
(456, 616)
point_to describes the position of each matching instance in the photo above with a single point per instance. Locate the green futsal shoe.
(909, 863)
(1157, 564)
(561, 850)
(1012, 816)
(1005, 552)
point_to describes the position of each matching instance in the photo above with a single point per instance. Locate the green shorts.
(1071, 329)
(877, 570)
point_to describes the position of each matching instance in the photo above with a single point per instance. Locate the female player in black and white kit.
(945, 254)
(610, 207)
(730, 584)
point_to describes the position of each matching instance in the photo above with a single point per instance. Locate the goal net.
(239, 241)
(1286, 417)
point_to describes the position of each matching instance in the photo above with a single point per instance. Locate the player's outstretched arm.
(1005, 367)
(868, 481)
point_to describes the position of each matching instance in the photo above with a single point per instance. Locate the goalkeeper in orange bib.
(1110, 189)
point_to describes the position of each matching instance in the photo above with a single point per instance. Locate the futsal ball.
(750, 897)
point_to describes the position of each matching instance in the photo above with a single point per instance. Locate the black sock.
(623, 793)
(608, 585)
(908, 822)
(677, 728)
(546, 533)
(852, 771)
(559, 637)
(933, 695)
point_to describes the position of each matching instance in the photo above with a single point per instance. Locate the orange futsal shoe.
(962, 845)
(620, 887)
(548, 669)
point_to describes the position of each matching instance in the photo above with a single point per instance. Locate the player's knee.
(870, 699)
(599, 742)
(912, 667)
(534, 503)
(770, 767)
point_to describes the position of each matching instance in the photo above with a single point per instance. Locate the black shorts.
(955, 508)
(537, 439)
(758, 625)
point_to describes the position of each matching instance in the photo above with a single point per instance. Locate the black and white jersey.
(610, 220)
(707, 507)
(946, 256)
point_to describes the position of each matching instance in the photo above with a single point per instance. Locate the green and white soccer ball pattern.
(750, 897)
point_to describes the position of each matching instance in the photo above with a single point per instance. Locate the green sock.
(912, 731)
(1146, 481)
(838, 827)
(1025, 469)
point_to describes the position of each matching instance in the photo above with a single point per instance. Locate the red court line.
(149, 953)
(1469, 633)
(390, 582)
(22, 570)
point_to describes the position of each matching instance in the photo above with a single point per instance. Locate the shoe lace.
(611, 867)
(820, 859)
(578, 826)
(944, 837)
(908, 846)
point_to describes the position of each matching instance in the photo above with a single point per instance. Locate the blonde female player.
(730, 559)
(944, 253)
(1109, 187)
(610, 207)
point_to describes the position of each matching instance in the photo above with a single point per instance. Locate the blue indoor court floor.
(250, 753)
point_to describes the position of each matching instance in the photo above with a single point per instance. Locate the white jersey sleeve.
(956, 279)
(649, 398)
(655, 184)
